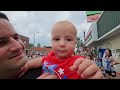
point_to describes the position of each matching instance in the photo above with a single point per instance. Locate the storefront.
(91, 38)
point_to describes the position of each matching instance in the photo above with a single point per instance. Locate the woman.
(108, 62)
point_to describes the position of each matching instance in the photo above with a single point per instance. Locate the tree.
(38, 45)
(31, 45)
(79, 44)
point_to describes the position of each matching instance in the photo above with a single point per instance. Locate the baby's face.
(63, 41)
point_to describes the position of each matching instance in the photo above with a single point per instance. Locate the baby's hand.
(22, 70)
(87, 69)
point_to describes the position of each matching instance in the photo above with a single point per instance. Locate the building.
(106, 34)
(42, 51)
(26, 42)
(91, 38)
(109, 29)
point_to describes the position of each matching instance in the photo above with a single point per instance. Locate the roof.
(41, 49)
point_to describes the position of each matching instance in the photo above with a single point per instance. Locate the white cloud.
(28, 23)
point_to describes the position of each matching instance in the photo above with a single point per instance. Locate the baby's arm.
(34, 63)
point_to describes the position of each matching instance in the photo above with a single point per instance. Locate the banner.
(93, 15)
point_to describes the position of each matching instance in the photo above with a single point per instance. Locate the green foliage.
(79, 44)
(31, 45)
(38, 45)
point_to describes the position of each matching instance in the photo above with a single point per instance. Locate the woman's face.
(107, 52)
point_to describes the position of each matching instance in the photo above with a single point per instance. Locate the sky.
(39, 23)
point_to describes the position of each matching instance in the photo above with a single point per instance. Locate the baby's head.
(64, 39)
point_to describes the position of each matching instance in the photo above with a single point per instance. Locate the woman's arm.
(115, 62)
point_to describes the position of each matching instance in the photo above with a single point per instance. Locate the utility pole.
(84, 36)
(34, 37)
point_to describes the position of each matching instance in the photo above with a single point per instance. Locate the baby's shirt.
(61, 68)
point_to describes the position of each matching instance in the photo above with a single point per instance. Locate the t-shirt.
(60, 67)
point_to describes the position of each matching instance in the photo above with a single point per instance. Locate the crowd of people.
(105, 63)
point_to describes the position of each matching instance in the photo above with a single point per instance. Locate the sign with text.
(93, 15)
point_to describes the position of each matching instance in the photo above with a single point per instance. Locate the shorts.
(111, 73)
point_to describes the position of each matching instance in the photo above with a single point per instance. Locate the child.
(58, 62)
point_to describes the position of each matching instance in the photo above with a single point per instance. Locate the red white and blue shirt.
(54, 65)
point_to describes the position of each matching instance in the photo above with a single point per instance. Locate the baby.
(60, 60)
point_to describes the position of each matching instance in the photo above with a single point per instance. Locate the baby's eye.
(57, 39)
(69, 39)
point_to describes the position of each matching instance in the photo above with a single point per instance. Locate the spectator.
(108, 62)
(12, 51)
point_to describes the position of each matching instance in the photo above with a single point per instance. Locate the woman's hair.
(110, 53)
